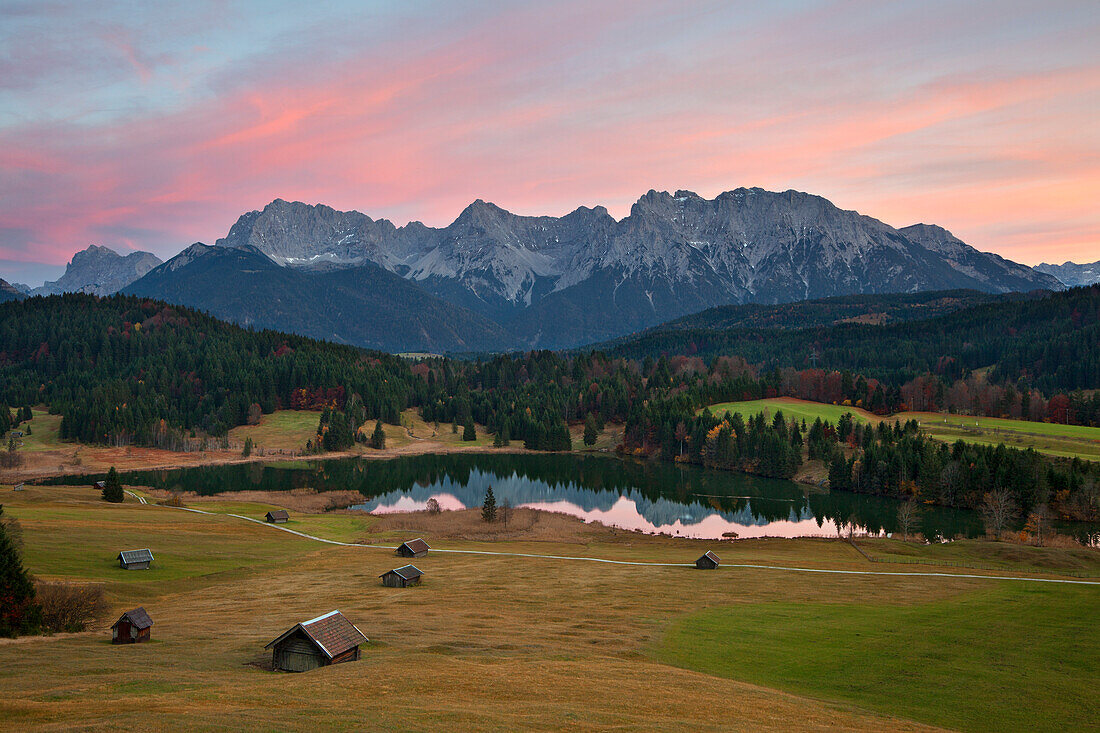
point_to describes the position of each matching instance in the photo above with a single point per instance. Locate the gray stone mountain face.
(1071, 274)
(997, 273)
(8, 292)
(561, 281)
(101, 271)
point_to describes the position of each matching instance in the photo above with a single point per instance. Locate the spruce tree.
(112, 487)
(378, 437)
(489, 506)
(18, 612)
(591, 432)
(468, 432)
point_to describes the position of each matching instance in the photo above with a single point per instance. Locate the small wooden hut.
(99, 485)
(401, 577)
(277, 516)
(319, 642)
(709, 561)
(413, 548)
(132, 627)
(135, 559)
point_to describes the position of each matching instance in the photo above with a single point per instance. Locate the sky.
(149, 126)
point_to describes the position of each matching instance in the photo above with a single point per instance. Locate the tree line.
(130, 370)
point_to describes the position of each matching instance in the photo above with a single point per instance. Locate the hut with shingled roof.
(319, 642)
(413, 548)
(401, 577)
(135, 559)
(132, 627)
(709, 561)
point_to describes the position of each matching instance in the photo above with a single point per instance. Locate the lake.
(672, 499)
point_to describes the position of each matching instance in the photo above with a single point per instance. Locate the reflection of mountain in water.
(664, 493)
(519, 490)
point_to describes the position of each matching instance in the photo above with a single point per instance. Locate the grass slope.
(1000, 659)
(501, 643)
(1050, 438)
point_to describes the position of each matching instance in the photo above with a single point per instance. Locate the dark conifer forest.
(127, 370)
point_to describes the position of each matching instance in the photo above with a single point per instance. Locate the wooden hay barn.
(413, 548)
(99, 485)
(132, 627)
(401, 577)
(319, 642)
(277, 516)
(135, 559)
(709, 561)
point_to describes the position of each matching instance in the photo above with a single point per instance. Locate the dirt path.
(784, 568)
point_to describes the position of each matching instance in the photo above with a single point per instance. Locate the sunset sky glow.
(154, 125)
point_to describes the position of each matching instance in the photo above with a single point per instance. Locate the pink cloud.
(504, 107)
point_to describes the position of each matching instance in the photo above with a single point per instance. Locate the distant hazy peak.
(100, 270)
(1071, 274)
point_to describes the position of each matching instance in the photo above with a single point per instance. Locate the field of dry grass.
(486, 643)
(278, 435)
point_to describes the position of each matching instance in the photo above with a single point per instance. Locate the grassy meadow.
(506, 643)
(1051, 438)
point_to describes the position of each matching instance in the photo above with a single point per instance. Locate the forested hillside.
(1053, 343)
(124, 369)
(867, 308)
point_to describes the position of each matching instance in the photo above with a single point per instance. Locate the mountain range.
(504, 281)
(562, 281)
(1073, 275)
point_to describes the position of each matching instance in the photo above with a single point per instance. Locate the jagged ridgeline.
(127, 369)
(494, 280)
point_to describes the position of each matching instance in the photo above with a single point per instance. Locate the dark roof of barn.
(129, 556)
(139, 617)
(407, 572)
(417, 545)
(332, 633)
(279, 514)
(711, 556)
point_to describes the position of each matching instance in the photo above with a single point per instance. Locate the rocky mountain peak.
(1071, 274)
(675, 253)
(100, 270)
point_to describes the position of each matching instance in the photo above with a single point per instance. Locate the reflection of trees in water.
(663, 492)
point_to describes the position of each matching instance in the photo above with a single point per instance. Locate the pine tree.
(489, 506)
(591, 432)
(18, 612)
(378, 437)
(468, 432)
(247, 450)
(112, 487)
